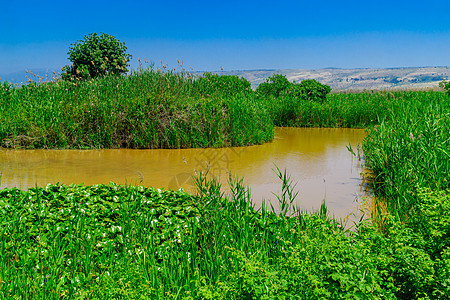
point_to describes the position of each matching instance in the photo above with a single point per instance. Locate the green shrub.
(313, 90)
(96, 55)
(432, 220)
(278, 85)
(275, 86)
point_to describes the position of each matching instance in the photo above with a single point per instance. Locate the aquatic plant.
(112, 241)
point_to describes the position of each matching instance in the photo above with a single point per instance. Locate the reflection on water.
(317, 160)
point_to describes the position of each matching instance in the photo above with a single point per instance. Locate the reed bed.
(360, 110)
(146, 109)
(409, 149)
(169, 109)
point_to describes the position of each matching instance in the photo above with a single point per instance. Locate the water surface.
(316, 158)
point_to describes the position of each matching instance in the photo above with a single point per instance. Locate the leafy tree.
(96, 55)
(312, 90)
(275, 85)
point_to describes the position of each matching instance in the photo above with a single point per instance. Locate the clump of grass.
(409, 149)
(147, 109)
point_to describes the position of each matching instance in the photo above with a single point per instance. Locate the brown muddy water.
(316, 158)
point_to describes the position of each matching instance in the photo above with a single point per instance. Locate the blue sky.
(235, 35)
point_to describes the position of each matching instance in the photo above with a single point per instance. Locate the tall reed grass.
(147, 109)
(359, 110)
(171, 109)
(409, 149)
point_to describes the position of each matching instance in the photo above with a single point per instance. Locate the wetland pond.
(317, 159)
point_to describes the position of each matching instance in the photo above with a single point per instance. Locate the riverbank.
(147, 109)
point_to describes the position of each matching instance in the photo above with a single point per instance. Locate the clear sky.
(235, 35)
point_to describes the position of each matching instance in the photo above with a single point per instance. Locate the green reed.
(407, 143)
(340, 110)
(170, 109)
(409, 149)
(146, 109)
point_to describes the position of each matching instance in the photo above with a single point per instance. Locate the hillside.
(356, 79)
(338, 79)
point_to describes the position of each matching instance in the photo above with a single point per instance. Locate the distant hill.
(356, 79)
(338, 79)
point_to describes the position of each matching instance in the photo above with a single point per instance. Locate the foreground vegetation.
(110, 241)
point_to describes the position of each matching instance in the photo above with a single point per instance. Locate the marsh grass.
(171, 109)
(360, 110)
(407, 143)
(146, 109)
(409, 149)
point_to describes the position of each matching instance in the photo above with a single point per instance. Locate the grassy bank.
(147, 109)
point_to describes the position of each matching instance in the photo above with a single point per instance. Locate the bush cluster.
(278, 85)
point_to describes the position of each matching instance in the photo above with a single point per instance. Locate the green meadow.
(126, 242)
